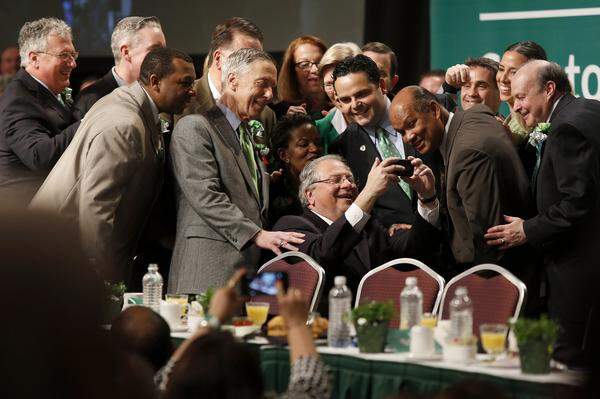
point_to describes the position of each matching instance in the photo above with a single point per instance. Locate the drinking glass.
(182, 300)
(493, 339)
(428, 320)
(257, 312)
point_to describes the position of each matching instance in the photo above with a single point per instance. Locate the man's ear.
(33, 58)
(232, 81)
(154, 83)
(125, 54)
(436, 109)
(550, 89)
(395, 80)
(382, 85)
(217, 59)
(310, 198)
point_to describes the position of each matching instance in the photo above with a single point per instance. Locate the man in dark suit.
(566, 183)
(35, 122)
(361, 94)
(483, 178)
(339, 231)
(131, 40)
(233, 34)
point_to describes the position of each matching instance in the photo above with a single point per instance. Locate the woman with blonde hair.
(335, 122)
(299, 86)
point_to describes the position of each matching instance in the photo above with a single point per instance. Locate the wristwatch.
(210, 322)
(427, 200)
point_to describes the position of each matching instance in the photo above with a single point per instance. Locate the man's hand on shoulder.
(275, 240)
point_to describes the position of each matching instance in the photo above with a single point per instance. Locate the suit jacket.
(35, 129)
(360, 152)
(568, 183)
(484, 180)
(341, 250)
(93, 93)
(218, 208)
(109, 176)
(205, 101)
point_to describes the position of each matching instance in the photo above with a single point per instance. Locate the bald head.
(418, 117)
(536, 86)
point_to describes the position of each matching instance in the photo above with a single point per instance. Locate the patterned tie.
(536, 168)
(387, 150)
(248, 150)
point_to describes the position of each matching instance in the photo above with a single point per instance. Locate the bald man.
(566, 184)
(482, 178)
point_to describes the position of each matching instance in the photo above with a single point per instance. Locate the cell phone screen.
(264, 283)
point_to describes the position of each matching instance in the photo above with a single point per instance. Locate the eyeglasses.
(64, 56)
(306, 64)
(337, 180)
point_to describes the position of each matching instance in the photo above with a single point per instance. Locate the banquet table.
(357, 375)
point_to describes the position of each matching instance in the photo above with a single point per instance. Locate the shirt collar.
(120, 82)
(231, 117)
(213, 89)
(326, 220)
(385, 122)
(444, 142)
(47, 88)
(153, 106)
(554, 107)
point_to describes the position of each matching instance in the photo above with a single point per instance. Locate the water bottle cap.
(411, 281)
(152, 267)
(461, 291)
(339, 280)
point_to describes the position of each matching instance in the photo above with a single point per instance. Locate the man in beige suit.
(222, 188)
(230, 36)
(110, 174)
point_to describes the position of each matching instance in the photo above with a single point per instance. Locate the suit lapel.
(149, 120)
(44, 95)
(230, 137)
(452, 132)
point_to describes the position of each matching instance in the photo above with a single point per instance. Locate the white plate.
(501, 363)
(425, 357)
(179, 328)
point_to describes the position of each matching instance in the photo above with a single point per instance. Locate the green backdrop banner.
(569, 31)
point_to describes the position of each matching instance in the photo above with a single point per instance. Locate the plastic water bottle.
(461, 315)
(411, 304)
(152, 283)
(340, 302)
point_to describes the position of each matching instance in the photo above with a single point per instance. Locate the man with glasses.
(35, 119)
(131, 40)
(339, 231)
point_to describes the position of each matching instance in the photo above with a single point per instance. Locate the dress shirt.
(153, 106)
(232, 118)
(216, 95)
(444, 142)
(553, 108)
(60, 100)
(394, 137)
(120, 82)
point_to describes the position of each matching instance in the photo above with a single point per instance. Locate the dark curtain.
(404, 26)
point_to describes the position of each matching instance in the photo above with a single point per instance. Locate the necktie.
(387, 150)
(62, 101)
(536, 168)
(248, 150)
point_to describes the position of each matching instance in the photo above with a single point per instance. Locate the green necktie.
(387, 150)
(248, 150)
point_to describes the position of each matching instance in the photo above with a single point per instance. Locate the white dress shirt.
(385, 123)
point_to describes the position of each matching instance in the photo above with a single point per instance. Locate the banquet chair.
(303, 273)
(388, 280)
(497, 295)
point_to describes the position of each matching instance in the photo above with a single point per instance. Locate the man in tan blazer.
(222, 187)
(232, 35)
(110, 174)
(482, 179)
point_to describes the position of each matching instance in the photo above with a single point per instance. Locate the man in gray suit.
(221, 185)
(482, 179)
(110, 175)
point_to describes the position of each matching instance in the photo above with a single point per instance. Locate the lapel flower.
(257, 132)
(539, 134)
(67, 96)
(164, 125)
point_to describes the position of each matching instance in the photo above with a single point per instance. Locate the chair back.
(497, 295)
(303, 273)
(388, 280)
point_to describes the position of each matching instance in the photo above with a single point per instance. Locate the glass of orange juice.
(493, 338)
(428, 320)
(257, 312)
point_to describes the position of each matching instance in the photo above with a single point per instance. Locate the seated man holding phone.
(340, 233)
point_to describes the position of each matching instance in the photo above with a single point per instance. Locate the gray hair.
(34, 36)
(310, 175)
(126, 30)
(239, 62)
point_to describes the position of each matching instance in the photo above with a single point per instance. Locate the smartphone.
(409, 169)
(264, 283)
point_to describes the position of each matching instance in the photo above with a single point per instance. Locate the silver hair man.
(238, 62)
(310, 175)
(34, 36)
(125, 33)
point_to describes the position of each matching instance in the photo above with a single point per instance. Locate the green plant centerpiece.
(536, 340)
(371, 321)
(113, 300)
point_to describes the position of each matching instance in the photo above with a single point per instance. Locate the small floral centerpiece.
(536, 340)
(371, 321)
(539, 134)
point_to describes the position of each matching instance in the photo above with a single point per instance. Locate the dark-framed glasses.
(306, 64)
(64, 55)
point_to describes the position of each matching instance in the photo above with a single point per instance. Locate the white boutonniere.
(539, 134)
(164, 125)
(257, 131)
(67, 96)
